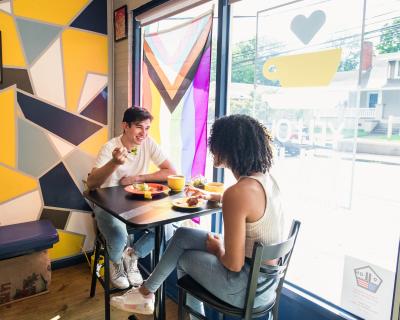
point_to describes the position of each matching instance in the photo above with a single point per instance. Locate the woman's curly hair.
(242, 144)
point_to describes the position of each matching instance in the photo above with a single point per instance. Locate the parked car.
(291, 149)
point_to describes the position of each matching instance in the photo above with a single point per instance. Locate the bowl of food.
(217, 187)
(176, 182)
(198, 181)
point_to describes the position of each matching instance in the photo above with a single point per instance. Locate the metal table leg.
(159, 312)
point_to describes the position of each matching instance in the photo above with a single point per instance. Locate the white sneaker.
(118, 276)
(133, 301)
(131, 268)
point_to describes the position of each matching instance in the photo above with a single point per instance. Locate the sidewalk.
(361, 157)
(368, 146)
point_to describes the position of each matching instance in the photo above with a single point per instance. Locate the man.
(122, 161)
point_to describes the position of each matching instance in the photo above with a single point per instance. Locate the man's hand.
(124, 181)
(119, 155)
(214, 245)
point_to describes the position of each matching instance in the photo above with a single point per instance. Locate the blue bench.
(25, 238)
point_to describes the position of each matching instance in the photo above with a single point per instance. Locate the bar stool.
(281, 251)
(101, 249)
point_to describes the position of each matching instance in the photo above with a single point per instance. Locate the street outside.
(337, 220)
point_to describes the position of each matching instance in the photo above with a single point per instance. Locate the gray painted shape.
(306, 28)
(35, 152)
(79, 164)
(36, 37)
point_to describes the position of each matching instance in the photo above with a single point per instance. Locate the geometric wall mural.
(97, 108)
(58, 218)
(61, 195)
(67, 125)
(53, 113)
(19, 77)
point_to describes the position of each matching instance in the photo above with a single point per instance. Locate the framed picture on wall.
(121, 23)
(1, 62)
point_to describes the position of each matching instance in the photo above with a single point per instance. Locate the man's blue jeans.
(114, 231)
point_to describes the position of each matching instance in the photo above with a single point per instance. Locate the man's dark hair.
(242, 144)
(136, 114)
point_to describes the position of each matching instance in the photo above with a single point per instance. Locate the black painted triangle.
(71, 127)
(97, 109)
(19, 77)
(59, 190)
(58, 218)
(93, 18)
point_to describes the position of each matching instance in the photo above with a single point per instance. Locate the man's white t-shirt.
(148, 151)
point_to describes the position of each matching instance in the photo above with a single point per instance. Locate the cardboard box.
(24, 276)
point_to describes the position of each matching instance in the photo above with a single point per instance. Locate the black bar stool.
(281, 251)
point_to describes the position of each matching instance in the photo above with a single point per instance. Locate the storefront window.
(310, 74)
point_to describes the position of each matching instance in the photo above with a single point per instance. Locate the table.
(139, 213)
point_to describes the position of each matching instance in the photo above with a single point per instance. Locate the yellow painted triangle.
(93, 144)
(70, 244)
(14, 184)
(58, 12)
(7, 127)
(83, 53)
(13, 54)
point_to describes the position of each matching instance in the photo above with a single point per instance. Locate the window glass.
(373, 100)
(178, 19)
(174, 140)
(299, 67)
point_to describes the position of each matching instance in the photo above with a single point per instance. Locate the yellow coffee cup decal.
(313, 69)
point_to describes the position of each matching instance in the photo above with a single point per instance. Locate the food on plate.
(144, 187)
(141, 186)
(199, 181)
(192, 201)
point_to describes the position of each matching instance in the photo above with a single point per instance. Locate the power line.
(368, 36)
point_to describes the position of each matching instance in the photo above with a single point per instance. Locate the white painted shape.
(47, 75)
(23, 209)
(94, 83)
(5, 6)
(82, 223)
(61, 146)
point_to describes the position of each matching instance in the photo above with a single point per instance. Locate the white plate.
(182, 203)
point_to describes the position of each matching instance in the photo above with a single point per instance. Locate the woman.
(251, 210)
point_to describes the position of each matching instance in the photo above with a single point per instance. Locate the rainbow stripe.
(175, 86)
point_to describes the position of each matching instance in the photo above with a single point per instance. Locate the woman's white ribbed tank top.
(269, 228)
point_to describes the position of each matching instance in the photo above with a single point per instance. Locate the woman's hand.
(191, 191)
(215, 245)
